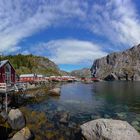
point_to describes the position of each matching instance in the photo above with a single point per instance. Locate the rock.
(137, 77)
(4, 115)
(111, 77)
(121, 115)
(135, 123)
(85, 72)
(54, 92)
(106, 116)
(64, 118)
(88, 81)
(23, 134)
(16, 119)
(125, 65)
(138, 118)
(108, 129)
(60, 108)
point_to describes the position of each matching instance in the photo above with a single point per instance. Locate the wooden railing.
(4, 87)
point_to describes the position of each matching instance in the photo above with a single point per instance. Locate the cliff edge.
(122, 65)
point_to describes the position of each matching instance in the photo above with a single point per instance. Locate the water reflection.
(119, 93)
(84, 102)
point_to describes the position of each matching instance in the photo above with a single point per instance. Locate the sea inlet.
(82, 103)
(59, 117)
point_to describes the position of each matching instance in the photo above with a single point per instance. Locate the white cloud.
(117, 21)
(20, 19)
(70, 51)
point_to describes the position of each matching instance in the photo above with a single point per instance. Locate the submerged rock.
(64, 118)
(121, 115)
(106, 116)
(16, 119)
(54, 92)
(23, 134)
(109, 129)
(135, 123)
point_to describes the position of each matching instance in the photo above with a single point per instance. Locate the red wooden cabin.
(7, 72)
(28, 77)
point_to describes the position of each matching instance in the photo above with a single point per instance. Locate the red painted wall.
(2, 74)
(2, 71)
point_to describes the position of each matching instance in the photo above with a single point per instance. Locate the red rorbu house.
(7, 72)
(40, 77)
(28, 77)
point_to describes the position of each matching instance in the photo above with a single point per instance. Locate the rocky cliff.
(123, 65)
(85, 72)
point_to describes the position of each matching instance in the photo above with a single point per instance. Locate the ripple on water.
(104, 99)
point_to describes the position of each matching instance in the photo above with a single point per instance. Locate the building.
(7, 72)
(40, 77)
(28, 77)
(31, 78)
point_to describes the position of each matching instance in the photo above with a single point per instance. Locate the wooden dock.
(5, 90)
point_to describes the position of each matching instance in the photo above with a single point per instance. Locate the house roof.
(40, 75)
(27, 75)
(3, 63)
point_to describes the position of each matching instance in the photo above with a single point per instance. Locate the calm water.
(84, 102)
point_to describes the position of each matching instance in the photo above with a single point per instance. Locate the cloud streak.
(116, 21)
(20, 19)
(69, 51)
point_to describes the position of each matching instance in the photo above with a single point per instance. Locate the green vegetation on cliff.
(32, 64)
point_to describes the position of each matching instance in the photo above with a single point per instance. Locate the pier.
(5, 91)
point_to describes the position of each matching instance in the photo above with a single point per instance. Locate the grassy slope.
(32, 64)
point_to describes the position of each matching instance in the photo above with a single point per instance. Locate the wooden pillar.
(2, 101)
(6, 102)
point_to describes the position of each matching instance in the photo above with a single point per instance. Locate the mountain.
(85, 72)
(33, 64)
(64, 73)
(122, 65)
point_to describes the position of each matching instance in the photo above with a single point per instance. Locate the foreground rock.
(23, 134)
(108, 129)
(4, 115)
(16, 119)
(54, 92)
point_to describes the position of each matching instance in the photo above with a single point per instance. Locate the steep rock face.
(85, 72)
(125, 65)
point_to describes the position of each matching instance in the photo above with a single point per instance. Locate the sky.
(71, 33)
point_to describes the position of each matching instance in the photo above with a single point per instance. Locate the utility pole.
(1, 55)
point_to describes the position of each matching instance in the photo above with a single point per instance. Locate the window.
(7, 73)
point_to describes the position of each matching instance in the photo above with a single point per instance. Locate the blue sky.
(71, 33)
